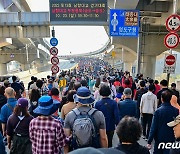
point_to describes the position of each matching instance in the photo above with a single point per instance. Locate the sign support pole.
(168, 77)
(175, 6)
(168, 74)
(113, 62)
(139, 48)
(170, 51)
(123, 68)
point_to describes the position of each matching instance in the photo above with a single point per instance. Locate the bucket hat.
(175, 122)
(46, 106)
(84, 96)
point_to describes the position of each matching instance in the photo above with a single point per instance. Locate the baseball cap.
(175, 122)
(127, 91)
(22, 102)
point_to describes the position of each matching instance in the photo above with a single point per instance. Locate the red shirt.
(58, 99)
(158, 87)
(117, 83)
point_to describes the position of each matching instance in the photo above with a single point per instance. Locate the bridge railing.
(9, 19)
(34, 18)
(24, 19)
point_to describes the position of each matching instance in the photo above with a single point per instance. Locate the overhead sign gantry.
(77, 12)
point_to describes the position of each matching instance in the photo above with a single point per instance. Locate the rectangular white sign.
(170, 63)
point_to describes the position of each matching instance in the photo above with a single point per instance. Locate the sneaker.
(146, 139)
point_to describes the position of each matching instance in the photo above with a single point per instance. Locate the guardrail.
(34, 18)
(9, 19)
(24, 19)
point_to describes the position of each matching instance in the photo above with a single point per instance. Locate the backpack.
(84, 130)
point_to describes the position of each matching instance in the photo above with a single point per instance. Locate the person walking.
(70, 105)
(157, 86)
(8, 108)
(138, 96)
(148, 106)
(129, 131)
(46, 133)
(86, 125)
(2, 146)
(33, 101)
(127, 107)
(18, 129)
(3, 99)
(164, 86)
(18, 88)
(175, 92)
(110, 110)
(159, 131)
(176, 127)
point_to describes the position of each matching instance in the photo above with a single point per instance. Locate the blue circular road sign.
(54, 41)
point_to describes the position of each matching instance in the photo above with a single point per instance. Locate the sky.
(74, 39)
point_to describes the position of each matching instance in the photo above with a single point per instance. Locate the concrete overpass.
(153, 14)
(15, 42)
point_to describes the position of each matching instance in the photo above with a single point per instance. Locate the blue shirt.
(111, 113)
(2, 147)
(50, 86)
(128, 107)
(6, 111)
(160, 131)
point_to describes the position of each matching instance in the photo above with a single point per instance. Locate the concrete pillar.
(25, 67)
(3, 69)
(148, 68)
(127, 66)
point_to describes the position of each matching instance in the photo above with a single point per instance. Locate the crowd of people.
(85, 108)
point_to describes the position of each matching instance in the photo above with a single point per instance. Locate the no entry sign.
(173, 23)
(55, 69)
(170, 63)
(55, 60)
(170, 60)
(171, 40)
(54, 51)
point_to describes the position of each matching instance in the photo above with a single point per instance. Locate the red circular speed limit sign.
(54, 51)
(54, 60)
(55, 69)
(170, 60)
(171, 40)
(173, 23)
